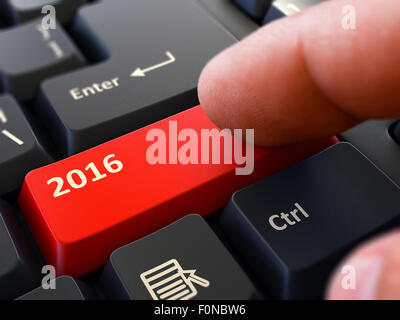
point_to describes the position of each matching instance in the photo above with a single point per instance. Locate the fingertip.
(304, 77)
(361, 274)
(205, 90)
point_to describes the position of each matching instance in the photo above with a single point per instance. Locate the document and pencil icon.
(169, 281)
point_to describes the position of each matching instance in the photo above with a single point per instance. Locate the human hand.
(305, 77)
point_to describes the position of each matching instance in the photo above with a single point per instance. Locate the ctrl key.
(293, 228)
(183, 261)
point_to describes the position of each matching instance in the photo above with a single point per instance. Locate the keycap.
(152, 71)
(66, 288)
(255, 8)
(373, 138)
(183, 261)
(20, 149)
(284, 8)
(294, 227)
(19, 271)
(24, 10)
(32, 54)
(82, 208)
(232, 18)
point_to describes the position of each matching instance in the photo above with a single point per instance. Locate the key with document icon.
(169, 281)
(183, 261)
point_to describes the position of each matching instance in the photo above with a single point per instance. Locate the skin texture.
(377, 270)
(304, 78)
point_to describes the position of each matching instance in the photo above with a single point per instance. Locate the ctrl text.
(282, 221)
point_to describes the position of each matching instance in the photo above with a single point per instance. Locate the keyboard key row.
(170, 264)
(302, 221)
(130, 90)
(133, 88)
(82, 208)
(183, 261)
(273, 224)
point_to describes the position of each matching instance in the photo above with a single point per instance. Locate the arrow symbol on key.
(142, 72)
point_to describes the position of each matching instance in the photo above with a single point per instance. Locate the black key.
(183, 261)
(255, 8)
(157, 49)
(293, 228)
(23, 10)
(20, 150)
(30, 54)
(233, 19)
(284, 8)
(19, 271)
(373, 139)
(66, 288)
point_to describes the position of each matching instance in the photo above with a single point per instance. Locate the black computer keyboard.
(113, 225)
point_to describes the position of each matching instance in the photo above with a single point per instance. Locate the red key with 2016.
(82, 208)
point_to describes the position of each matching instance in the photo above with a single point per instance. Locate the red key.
(82, 208)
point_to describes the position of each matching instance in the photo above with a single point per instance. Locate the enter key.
(152, 53)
